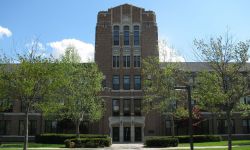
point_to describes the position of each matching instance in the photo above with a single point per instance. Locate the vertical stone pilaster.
(132, 130)
(121, 131)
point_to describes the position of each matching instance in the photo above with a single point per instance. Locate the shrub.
(60, 138)
(200, 138)
(161, 141)
(88, 142)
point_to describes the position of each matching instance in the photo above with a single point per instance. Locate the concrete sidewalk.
(135, 146)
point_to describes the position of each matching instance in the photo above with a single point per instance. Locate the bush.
(161, 141)
(200, 138)
(88, 142)
(60, 138)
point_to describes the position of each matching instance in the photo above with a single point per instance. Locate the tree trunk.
(172, 126)
(229, 130)
(77, 129)
(26, 137)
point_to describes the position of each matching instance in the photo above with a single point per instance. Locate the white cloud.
(85, 50)
(5, 32)
(169, 53)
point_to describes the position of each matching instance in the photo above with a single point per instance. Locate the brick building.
(124, 36)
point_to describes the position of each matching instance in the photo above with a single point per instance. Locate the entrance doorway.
(126, 134)
(116, 135)
(138, 136)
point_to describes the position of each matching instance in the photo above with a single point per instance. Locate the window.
(245, 100)
(137, 82)
(5, 127)
(126, 82)
(126, 107)
(246, 125)
(168, 127)
(136, 35)
(116, 61)
(116, 82)
(137, 61)
(116, 107)
(116, 35)
(32, 127)
(222, 126)
(137, 107)
(126, 35)
(50, 126)
(126, 61)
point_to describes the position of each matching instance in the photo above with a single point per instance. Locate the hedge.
(87, 142)
(200, 138)
(60, 138)
(161, 141)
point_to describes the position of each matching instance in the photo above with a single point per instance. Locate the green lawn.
(16, 145)
(222, 143)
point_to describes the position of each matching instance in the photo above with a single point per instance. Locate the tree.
(159, 88)
(27, 81)
(221, 87)
(79, 94)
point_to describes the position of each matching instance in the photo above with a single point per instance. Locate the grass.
(222, 143)
(15, 145)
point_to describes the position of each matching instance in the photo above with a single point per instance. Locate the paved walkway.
(138, 146)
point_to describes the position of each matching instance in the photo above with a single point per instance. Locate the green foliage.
(220, 88)
(88, 142)
(200, 138)
(60, 138)
(159, 85)
(161, 141)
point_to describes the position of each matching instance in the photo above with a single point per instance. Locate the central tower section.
(124, 36)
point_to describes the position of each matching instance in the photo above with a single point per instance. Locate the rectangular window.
(116, 82)
(136, 36)
(246, 125)
(137, 61)
(116, 107)
(116, 61)
(126, 61)
(126, 107)
(137, 82)
(126, 35)
(50, 126)
(116, 35)
(5, 127)
(137, 107)
(32, 127)
(126, 82)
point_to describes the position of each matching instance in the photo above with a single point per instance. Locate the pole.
(190, 118)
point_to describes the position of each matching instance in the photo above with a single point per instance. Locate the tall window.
(116, 35)
(116, 82)
(5, 127)
(136, 35)
(126, 35)
(137, 61)
(246, 125)
(116, 107)
(137, 107)
(126, 82)
(50, 126)
(126, 61)
(116, 61)
(245, 100)
(126, 107)
(137, 82)
(32, 127)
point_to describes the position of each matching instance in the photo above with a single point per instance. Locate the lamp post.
(190, 120)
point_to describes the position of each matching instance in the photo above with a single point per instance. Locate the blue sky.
(56, 23)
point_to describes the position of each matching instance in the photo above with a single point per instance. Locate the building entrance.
(138, 134)
(126, 134)
(116, 135)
